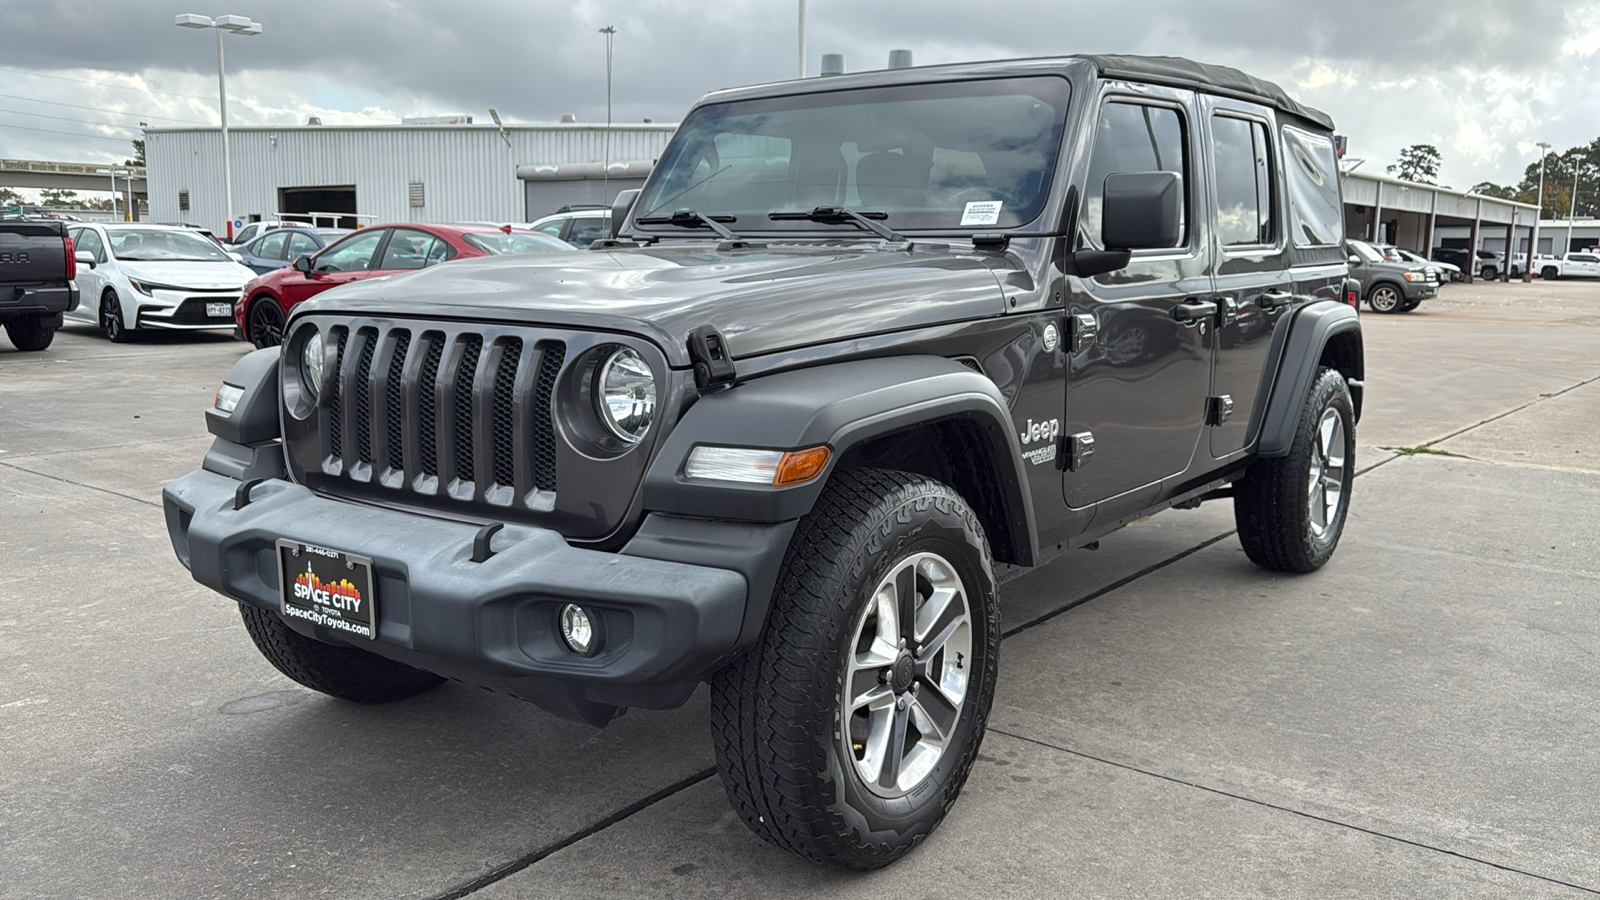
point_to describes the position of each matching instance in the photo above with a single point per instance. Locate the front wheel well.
(960, 453)
(1344, 353)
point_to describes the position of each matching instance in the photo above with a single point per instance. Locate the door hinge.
(1076, 450)
(1220, 409)
(713, 367)
(1085, 328)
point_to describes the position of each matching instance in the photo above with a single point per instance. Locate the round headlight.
(311, 364)
(625, 392)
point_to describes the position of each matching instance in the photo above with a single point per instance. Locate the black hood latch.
(713, 367)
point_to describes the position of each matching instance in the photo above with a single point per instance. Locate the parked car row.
(1391, 284)
(135, 276)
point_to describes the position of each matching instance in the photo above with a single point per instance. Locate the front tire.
(846, 733)
(1488, 273)
(264, 323)
(30, 333)
(1291, 511)
(343, 672)
(1385, 298)
(1549, 273)
(111, 324)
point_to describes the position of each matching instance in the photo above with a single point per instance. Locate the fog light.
(576, 629)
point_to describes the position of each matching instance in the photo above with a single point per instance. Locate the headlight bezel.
(302, 395)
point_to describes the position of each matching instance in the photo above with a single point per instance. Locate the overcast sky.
(1481, 79)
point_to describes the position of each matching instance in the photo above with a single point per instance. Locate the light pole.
(236, 25)
(1533, 239)
(1572, 207)
(802, 38)
(610, 32)
(113, 173)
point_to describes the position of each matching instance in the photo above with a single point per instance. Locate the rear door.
(1252, 283)
(1138, 389)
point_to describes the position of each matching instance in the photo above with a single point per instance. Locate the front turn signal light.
(799, 466)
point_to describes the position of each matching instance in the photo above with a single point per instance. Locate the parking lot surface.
(1416, 718)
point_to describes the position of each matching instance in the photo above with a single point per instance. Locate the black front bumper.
(665, 624)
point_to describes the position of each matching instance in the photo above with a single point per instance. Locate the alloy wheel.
(906, 676)
(265, 324)
(1326, 488)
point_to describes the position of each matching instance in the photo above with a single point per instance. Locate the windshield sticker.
(982, 212)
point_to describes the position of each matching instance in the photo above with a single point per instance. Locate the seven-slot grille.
(441, 412)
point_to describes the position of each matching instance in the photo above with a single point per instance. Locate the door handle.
(1273, 299)
(1193, 310)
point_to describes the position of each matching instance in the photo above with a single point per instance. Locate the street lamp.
(114, 172)
(1533, 239)
(1572, 207)
(610, 32)
(235, 25)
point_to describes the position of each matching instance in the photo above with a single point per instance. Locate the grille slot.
(505, 383)
(335, 404)
(363, 398)
(394, 399)
(466, 372)
(427, 387)
(541, 429)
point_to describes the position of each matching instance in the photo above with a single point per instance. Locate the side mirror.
(1354, 260)
(620, 207)
(303, 265)
(1142, 210)
(84, 258)
(236, 257)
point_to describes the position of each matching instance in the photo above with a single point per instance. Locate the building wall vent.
(183, 201)
(414, 192)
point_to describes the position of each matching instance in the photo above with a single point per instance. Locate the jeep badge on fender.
(857, 342)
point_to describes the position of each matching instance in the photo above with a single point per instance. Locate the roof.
(1176, 71)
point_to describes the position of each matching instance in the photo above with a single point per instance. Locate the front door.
(1139, 386)
(1253, 284)
(349, 260)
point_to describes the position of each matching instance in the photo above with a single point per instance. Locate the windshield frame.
(659, 197)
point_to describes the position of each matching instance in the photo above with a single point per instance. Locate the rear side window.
(1244, 181)
(301, 245)
(1313, 180)
(1134, 137)
(271, 246)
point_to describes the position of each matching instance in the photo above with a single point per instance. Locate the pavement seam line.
(1296, 812)
(1514, 410)
(80, 484)
(517, 865)
(37, 453)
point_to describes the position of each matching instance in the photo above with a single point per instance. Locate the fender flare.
(1309, 332)
(840, 405)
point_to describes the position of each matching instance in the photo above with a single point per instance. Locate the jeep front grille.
(442, 413)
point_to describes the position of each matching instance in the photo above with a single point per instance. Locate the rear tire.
(1488, 273)
(842, 736)
(1291, 511)
(1549, 273)
(343, 672)
(30, 333)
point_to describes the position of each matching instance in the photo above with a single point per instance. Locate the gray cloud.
(1481, 78)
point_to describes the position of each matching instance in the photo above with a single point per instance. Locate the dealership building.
(400, 173)
(485, 173)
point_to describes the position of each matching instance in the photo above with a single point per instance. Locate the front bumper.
(1421, 290)
(184, 311)
(665, 624)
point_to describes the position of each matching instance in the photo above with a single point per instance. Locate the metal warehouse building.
(1421, 217)
(395, 173)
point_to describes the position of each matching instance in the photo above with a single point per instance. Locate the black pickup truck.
(37, 266)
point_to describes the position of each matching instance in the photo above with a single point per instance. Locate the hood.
(218, 275)
(762, 299)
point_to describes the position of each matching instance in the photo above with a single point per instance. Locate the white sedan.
(133, 276)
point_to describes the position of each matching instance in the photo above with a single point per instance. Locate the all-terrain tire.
(30, 333)
(1275, 503)
(343, 672)
(785, 738)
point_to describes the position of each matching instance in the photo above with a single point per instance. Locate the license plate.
(328, 588)
(219, 310)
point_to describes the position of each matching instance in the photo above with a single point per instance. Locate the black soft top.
(1175, 71)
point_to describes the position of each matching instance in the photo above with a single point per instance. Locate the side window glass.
(1134, 137)
(586, 230)
(90, 243)
(300, 245)
(1244, 181)
(407, 249)
(353, 254)
(552, 228)
(271, 246)
(438, 252)
(1312, 176)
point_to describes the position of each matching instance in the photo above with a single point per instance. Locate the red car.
(373, 251)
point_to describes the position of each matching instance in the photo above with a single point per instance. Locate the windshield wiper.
(840, 215)
(693, 218)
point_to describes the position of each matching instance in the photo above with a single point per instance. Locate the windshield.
(501, 244)
(974, 154)
(1365, 252)
(166, 246)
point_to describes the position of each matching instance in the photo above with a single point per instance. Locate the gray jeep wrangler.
(860, 348)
